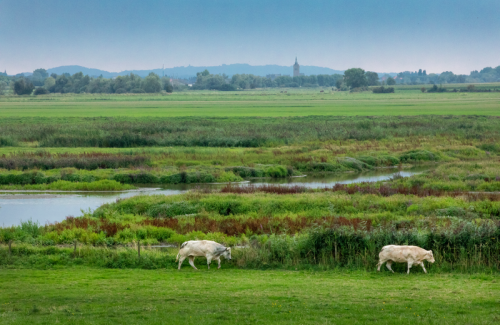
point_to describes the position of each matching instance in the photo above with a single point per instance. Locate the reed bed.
(457, 244)
(240, 132)
(268, 188)
(93, 160)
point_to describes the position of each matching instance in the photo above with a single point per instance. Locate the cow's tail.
(182, 246)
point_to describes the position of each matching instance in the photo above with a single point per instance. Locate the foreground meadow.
(228, 296)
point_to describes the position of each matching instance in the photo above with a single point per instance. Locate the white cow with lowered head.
(404, 254)
(210, 249)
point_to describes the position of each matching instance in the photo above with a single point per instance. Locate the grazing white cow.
(210, 249)
(404, 254)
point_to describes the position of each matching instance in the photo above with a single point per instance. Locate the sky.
(382, 36)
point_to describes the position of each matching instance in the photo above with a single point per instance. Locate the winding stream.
(49, 208)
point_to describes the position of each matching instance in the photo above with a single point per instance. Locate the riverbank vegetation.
(283, 227)
(302, 227)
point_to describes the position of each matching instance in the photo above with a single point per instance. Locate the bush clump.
(383, 90)
(418, 155)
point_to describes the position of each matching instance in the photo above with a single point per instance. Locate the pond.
(48, 207)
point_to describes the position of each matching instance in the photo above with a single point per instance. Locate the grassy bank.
(82, 295)
(102, 185)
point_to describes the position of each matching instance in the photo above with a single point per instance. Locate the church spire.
(296, 68)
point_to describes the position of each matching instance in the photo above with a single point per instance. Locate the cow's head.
(227, 253)
(430, 257)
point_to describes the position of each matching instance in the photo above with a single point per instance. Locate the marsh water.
(51, 207)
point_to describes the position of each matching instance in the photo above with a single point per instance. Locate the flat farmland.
(253, 103)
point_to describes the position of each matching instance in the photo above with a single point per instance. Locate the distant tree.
(372, 78)
(419, 72)
(3, 87)
(424, 73)
(152, 83)
(391, 81)
(42, 73)
(486, 70)
(203, 73)
(168, 87)
(339, 83)
(38, 76)
(23, 87)
(461, 78)
(423, 89)
(61, 82)
(49, 83)
(355, 78)
(54, 75)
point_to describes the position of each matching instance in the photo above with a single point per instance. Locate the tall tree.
(372, 78)
(23, 87)
(152, 83)
(391, 81)
(355, 78)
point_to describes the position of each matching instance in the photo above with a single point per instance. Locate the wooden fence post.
(10, 247)
(139, 248)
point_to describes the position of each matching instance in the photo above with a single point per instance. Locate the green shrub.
(165, 210)
(276, 172)
(489, 187)
(225, 177)
(418, 155)
(355, 164)
(491, 147)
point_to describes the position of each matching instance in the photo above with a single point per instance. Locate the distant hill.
(232, 69)
(190, 71)
(72, 69)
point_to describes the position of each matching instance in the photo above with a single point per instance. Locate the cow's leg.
(410, 263)
(191, 262)
(388, 265)
(423, 267)
(181, 259)
(380, 262)
(209, 260)
(218, 261)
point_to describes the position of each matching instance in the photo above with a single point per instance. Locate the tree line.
(487, 74)
(40, 83)
(352, 78)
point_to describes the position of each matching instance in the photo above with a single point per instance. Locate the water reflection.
(48, 208)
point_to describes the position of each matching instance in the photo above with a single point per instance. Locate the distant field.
(97, 296)
(271, 103)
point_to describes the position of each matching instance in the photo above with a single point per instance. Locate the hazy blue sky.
(383, 36)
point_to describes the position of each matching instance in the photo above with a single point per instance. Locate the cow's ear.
(227, 248)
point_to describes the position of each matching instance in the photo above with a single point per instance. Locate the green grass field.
(296, 102)
(97, 296)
